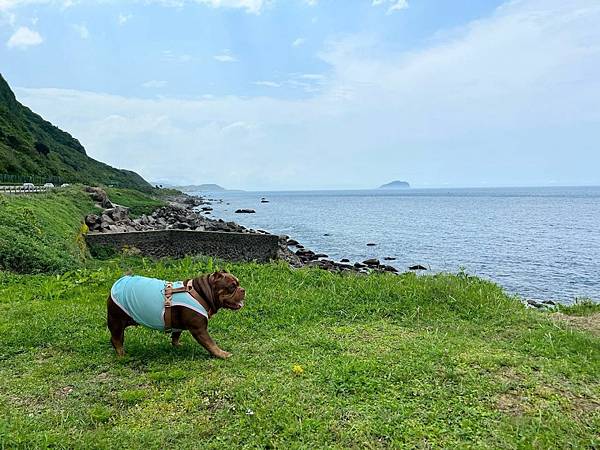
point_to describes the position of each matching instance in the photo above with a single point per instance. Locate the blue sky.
(296, 94)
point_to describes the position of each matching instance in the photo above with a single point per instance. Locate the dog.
(172, 307)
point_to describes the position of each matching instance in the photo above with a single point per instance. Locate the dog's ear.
(215, 276)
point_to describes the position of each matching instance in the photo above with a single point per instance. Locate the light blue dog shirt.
(143, 299)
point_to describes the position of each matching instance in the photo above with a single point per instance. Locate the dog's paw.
(224, 355)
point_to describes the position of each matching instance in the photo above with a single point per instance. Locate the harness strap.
(170, 290)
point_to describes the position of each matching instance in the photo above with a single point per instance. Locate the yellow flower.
(297, 369)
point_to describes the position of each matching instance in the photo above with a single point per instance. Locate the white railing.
(23, 189)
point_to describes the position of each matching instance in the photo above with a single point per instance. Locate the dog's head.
(226, 290)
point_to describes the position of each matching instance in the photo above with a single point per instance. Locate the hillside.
(34, 149)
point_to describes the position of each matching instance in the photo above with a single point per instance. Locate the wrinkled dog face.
(227, 289)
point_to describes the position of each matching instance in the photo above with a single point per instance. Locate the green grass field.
(319, 361)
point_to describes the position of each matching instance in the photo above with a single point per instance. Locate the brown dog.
(156, 304)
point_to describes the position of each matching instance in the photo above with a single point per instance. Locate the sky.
(317, 94)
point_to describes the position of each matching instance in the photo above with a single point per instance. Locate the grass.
(138, 202)
(43, 232)
(581, 307)
(319, 361)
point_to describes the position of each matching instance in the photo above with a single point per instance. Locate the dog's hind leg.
(116, 325)
(175, 335)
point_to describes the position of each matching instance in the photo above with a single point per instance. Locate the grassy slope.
(43, 232)
(31, 146)
(138, 203)
(440, 361)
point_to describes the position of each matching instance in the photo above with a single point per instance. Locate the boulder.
(244, 211)
(107, 219)
(371, 244)
(417, 267)
(99, 195)
(371, 262)
(389, 258)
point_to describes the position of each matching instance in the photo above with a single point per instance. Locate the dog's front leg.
(200, 333)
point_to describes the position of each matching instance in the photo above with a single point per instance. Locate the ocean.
(538, 243)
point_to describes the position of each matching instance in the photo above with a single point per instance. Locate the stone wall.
(180, 243)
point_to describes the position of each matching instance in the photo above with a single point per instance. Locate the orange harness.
(187, 287)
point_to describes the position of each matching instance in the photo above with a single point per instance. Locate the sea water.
(539, 243)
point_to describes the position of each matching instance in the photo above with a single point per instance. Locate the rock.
(345, 260)
(371, 262)
(371, 244)
(321, 255)
(91, 220)
(107, 219)
(244, 211)
(390, 269)
(359, 265)
(389, 258)
(99, 195)
(264, 200)
(327, 234)
(118, 213)
(417, 267)
(206, 208)
(292, 242)
(308, 255)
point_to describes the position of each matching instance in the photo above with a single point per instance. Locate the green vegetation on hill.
(33, 147)
(138, 202)
(319, 361)
(43, 232)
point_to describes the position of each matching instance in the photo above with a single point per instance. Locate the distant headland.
(395, 185)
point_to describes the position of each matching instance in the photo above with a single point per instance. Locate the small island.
(396, 185)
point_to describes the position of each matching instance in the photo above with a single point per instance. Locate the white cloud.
(508, 99)
(394, 5)
(225, 57)
(298, 42)
(250, 6)
(122, 19)
(82, 30)
(6, 5)
(171, 56)
(154, 84)
(268, 84)
(23, 38)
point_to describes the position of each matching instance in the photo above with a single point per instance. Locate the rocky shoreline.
(186, 212)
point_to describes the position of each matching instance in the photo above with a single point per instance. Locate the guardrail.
(23, 189)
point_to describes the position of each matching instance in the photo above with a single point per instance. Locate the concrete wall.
(180, 243)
